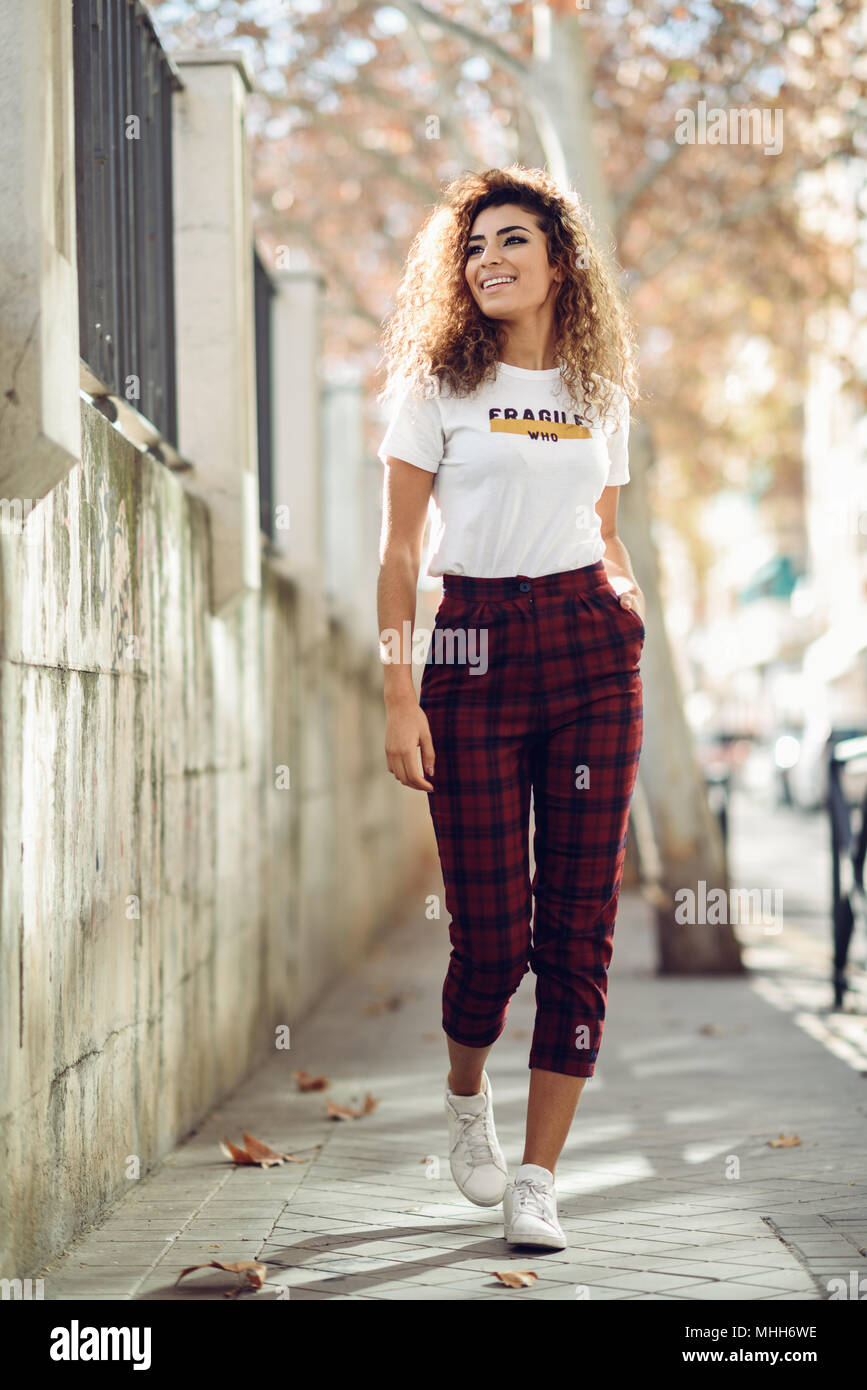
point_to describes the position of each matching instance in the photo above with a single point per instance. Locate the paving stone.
(796, 1297)
(782, 1279)
(719, 1292)
(648, 1281)
(637, 1246)
(111, 1254)
(86, 1283)
(236, 1206)
(185, 1251)
(642, 1194)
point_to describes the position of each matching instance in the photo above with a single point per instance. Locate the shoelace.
(479, 1143)
(531, 1195)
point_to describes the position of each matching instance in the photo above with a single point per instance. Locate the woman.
(511, 361)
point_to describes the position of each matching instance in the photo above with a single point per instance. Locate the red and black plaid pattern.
(558, 712)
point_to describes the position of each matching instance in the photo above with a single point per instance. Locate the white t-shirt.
(518, 473)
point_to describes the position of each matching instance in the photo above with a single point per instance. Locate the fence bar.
(263, 290)
(845, 847)
(123, 154)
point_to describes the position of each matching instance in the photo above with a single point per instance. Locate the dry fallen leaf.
(785, 1141)
(347, 1112)
(392, 1002)
(516, 1278)
(237, 1155)
(379, 1006)
(341, 1112)
(306, 1082)
(255, 1272)
(260, 1152)
(257, 1153)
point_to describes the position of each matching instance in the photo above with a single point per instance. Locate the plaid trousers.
(533, 685)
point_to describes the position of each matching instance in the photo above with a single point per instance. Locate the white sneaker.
(475, 1156)
(530, 1209)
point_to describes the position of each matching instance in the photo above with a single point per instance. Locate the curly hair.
(436, 333)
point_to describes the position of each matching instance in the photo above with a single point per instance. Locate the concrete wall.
(165, 905)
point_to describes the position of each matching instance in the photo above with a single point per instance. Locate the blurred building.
(835, 596)
(783, 646)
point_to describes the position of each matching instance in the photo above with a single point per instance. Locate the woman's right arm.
(405, 497)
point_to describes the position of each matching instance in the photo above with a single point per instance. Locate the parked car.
(808, 775)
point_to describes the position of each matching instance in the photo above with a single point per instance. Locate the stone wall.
(166, 902)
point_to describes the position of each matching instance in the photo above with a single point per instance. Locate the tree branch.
(759, 202)
(483, 43)
(444, 94)
(647, 176)
(389, 162)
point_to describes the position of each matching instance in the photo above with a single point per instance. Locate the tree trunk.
(671, 795)
(687, 835)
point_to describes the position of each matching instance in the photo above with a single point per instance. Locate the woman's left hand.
(633, 598)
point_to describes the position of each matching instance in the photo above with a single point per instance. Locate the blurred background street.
(206, 209)
(790, 847)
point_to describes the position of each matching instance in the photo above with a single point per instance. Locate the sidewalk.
(648, 1186)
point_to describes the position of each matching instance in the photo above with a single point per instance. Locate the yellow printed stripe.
(549, 427)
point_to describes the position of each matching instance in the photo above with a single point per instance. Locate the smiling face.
(507, 266)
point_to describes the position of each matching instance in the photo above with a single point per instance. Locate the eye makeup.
(520, 239)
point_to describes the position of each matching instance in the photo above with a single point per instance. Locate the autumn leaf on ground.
(237, 1155)
(256, 1153)
(254, 1272)
(785, 1141)
(348, 1112)
(341, 1112)
(516, 1278)
(260, 1152)
(306, 1082)
(392, 1002)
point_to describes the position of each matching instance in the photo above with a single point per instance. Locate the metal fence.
(848, 852)
(263, 293)
(123, 183)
